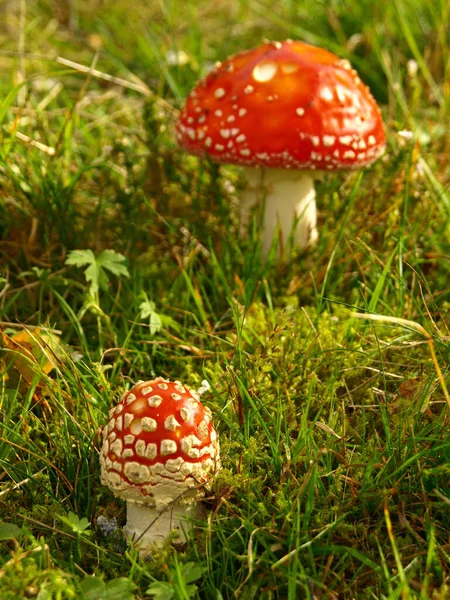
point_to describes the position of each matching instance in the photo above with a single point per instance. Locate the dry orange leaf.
(29, 353)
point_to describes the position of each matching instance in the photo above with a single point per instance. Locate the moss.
(24, 576)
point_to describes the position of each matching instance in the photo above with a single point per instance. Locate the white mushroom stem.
(289, 201)
(147, 525)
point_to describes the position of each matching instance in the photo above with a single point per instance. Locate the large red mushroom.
(283, 111)
(159, 450)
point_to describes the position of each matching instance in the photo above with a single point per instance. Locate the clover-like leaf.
(96, 267)
(77, 525)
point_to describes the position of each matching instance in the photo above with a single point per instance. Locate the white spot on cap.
(219, 93)
(129, 439)
(234, 131)
(154, 401)
(130, 398)
(225, 133)
(179, 387)
(115, 480)
(147, 390)
(128, 419)
(245, 152)
(119, 423)
(326, 94)
(111, 425)
(171, 423)
(242, 112)
(208, 142)
(188, 442)
(328, 140)
(346, 140)
(349, 154)
(140, 448)
(119, 407)
(191, 135)
(174, 464)
(151, 451)
(201, 119)
(185, 414)
(163, 386)
(127, 453)
(344, 63)
(218, 113)
(371, 140)
(200, 134)
(168, 447)
(249, 89)
(264, 72)
(315, 140)
(203, 429)
(193, 403)
(186, 468)
(241, 138)
(231, 118)
(219, 147)
(300, 111)
(116, 448)
(343, 93)
(149, 424)
(136, 472)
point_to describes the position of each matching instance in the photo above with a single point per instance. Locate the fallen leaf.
(28, 355)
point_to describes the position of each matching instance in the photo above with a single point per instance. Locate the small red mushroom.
(159, 450)
(283, 111)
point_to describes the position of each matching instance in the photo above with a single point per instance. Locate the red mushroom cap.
(286, 105)
(159, 444)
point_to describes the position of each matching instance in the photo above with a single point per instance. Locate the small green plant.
(97, 267)
(147, 309)
(77, 525)
(94, 588)
(9, 531)
(180, 585)
(96, 274)
(156, 321)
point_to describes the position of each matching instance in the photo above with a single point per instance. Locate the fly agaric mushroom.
(283, 111)
(159, 449)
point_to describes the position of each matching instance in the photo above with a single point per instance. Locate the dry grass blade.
(420, 329)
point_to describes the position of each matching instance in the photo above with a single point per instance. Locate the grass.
(334, 429)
